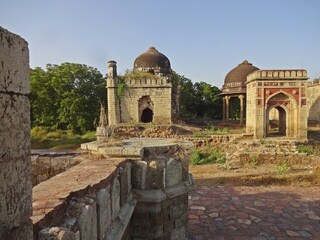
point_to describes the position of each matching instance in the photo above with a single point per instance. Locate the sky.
(203, 39)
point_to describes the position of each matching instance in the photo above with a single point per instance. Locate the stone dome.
(236, 79)
(152, 60)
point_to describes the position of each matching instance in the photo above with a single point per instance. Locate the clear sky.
(203, 39)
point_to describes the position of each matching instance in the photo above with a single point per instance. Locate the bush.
(305, 149)
(215, 130)
(48, 137)
(283, 167)
(213, 156)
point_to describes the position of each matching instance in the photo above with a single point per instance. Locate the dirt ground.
(262, 175)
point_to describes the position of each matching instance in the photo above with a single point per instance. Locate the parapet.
(278, 74)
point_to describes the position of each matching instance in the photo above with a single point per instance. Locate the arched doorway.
(277, 122)
(147, 115)
(145, 109)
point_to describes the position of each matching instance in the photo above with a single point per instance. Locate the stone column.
(113, 102)
(15, 162)
(227, 108)
(223, 109)
(241, 97)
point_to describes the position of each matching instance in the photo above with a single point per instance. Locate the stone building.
(234, 90)
(147, 98)
(283, 90)
(271, 102)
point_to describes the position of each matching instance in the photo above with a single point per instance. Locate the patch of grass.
(50, 138)
(212, 156)
(199, 135)
(215, 130)
(305, 149)
(283, 167)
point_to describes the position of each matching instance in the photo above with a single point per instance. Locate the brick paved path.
(254, 213)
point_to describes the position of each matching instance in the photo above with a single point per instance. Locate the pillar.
(15, 161)
(113, 102)
(241, 97)
(223, 109)
(227, 108)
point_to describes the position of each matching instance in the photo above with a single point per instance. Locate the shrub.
(213, 156)
(215, 130)
(283, 167)
(305, 149)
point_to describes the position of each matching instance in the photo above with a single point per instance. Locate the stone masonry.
(15, 164)
(137, 190)
(314, 101)
(128, 109)
(284, 90)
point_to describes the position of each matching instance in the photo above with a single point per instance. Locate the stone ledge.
(176, 190)
(50, 198)
(152, 196)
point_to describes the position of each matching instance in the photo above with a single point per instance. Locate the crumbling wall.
(144, 196)
(15, 165)
(46, 165)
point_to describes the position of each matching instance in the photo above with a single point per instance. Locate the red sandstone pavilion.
(267, 95)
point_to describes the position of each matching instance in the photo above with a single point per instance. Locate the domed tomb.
(152, 61)
(234, 92)
(235, 80)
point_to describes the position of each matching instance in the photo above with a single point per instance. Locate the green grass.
(216, 130)
(283, 167)
(305, 149)
(214, 155)
(49, 138)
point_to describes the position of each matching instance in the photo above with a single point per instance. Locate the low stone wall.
(144, 196)
(45, 165)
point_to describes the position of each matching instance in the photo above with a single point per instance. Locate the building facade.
(283, 90)
(149, 98)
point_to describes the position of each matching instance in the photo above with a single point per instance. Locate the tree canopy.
(198, 100)
(66, 96)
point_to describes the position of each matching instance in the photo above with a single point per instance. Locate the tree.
(198, 100)
(66, 96)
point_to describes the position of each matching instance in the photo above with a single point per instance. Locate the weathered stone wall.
(160, 97)
(15, 165)
(314, 102)
(48, 164)
(111, 198)
(157, 89)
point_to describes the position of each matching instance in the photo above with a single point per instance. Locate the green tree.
(198, 100)
(66, 96)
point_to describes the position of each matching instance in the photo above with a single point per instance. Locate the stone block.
(144, 207)
(14, 63)
(103, 201)
(178, 234)
(88, 222)
(124, 185)
(56, 233)
(22, 232)
(115, 198)
(173, 173)
(15, 192)
(14, 127)
(139, 171)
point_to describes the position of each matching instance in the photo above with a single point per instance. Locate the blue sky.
(203, 39)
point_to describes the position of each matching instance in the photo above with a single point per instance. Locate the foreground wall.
(136, 191)
(15, 165)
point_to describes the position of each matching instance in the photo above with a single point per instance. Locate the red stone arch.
(286, 105)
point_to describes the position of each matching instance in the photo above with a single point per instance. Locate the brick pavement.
(227, 212)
